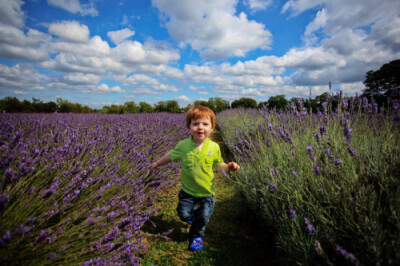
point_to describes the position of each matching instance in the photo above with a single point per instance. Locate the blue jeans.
(194, 209)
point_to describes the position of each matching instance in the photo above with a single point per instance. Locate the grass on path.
(233, 235)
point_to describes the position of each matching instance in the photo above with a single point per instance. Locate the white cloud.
(165, 88)
(74, 6)
(141, 79)
(120, 35)
(258, 4)
(183, 98)
(386, 32)
(15, 44)
(23, 53)
(11, 13)
(71, 31)
(173, 73)
(80, 78)
(343, 14)
(20, 92)
(195, 88)
(144, 90)
(104, 88)
(318, 23)
(213, 28)
(21, 77)
(251, 92)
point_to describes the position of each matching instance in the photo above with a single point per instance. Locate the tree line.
(379, 86)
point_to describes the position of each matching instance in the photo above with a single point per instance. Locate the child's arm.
(232, 166)
(163, 160)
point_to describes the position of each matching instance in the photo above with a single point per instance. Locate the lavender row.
(326, 181)
(71, 187)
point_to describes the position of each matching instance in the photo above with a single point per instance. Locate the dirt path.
(233, 236)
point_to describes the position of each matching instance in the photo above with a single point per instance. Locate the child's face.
(200, 129)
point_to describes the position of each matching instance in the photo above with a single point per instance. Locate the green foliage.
(145, 107)
(167, 106)
(382, 80)
(131, 108)
(64, 106)
(278, 102)
(216, 104)
(13, 105)
(339, 196)
(244, 103)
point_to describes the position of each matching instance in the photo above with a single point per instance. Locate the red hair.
(197, 112)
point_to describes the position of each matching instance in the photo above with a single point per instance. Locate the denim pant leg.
(198, 208)
(185, 206)
(202, 216)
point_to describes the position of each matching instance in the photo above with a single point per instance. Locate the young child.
(198, 155)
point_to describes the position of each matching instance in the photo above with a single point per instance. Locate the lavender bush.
(327, 182)
(71, 187)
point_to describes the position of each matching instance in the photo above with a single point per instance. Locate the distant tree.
(50, 107)
(218, 104)
(262, 104)
(324, 97)
(11, 105)
(173, 107)
(311, 104)
(382, 80)
(245, 103)
(161, 106)
(64, 106)
(86, 109)
(278, 102)
(203, 103)
(145, 107)
(27, 107)
(131, 108)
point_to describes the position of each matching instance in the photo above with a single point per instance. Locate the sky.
(104, 52)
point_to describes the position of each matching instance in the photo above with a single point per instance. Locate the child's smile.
(200, 129)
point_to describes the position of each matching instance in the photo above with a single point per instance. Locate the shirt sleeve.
(218, 158)
(176, 154)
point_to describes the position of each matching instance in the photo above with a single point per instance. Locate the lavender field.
(328, 183)
(71, 187)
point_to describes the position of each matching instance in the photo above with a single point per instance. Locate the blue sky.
(103, 52)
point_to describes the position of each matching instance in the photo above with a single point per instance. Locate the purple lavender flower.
(351, 151)
(52, 256)
(3, 201)
(323, 130)
(365, 102)
(292, 213)
(294, 174)
(317, 170)
(345, 103)
(318, 137)
(310, 152)
(310, 227)
(271, 186)
(347, 131)
(224, 173)
(347, 255)
(318, 248)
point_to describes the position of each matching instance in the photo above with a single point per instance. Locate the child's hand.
(232, 166)
(153, 165)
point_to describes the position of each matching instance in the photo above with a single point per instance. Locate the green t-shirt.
(197, 175)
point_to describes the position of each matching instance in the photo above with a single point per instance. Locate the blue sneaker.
(196, 244)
